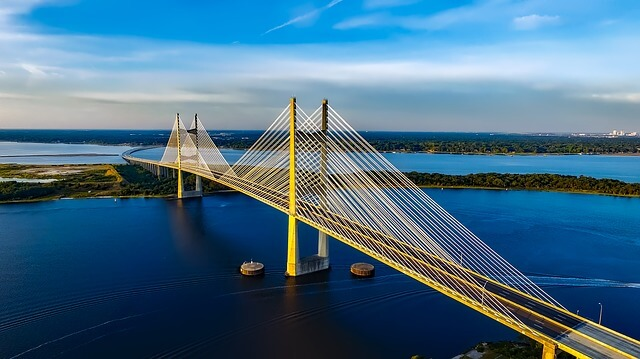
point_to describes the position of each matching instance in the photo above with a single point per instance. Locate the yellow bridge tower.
(297, 266)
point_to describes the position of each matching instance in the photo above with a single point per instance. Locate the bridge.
(318, 170)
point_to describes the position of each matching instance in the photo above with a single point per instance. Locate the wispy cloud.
(309, 15)
(371, 20)
(379, 4)
(630, 97)
(40, 71)
(534, 21)
(159, 97)
(15, 96)
(135, 82)
(479, 12)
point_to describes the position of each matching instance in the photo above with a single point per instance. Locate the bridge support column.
(197, 192)
(179, 159)
(293, 256)
(297, 266)
(180, 185)
(549, 351)
(199, 184)
(323, 243)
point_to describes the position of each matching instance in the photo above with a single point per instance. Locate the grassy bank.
(81, 181)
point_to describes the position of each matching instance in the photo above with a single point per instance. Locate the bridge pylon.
(180, 183)
(549, 351)
(297, 266)
(193, 135)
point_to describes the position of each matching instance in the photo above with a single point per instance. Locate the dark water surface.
(143, 277)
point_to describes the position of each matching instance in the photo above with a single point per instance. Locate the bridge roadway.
(542, 321)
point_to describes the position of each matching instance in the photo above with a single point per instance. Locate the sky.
(399, 65)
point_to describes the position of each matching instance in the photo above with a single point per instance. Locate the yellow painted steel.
(549, 352)
(180, 185)
(292, 238)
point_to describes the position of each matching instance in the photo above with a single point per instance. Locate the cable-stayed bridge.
(319, 171)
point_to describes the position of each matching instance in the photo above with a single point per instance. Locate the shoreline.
(125, 181)
(508, 154)
(173, 197)
(511, 154)
(531, 190)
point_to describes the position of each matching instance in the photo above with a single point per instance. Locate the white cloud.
(371, 20)
(15, 96)
(534, 21)
(307, 16)
(478, 12)
(160, 97)
(34, 70)
(147, 79)
(378, 4)
(630, 97)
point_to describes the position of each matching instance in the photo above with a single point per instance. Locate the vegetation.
(477, 143)
(71, 181)
(139, 182)
(77, 181)
(502, 144)
(545, 182)
(522, 349)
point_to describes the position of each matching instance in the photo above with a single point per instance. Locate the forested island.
(79, 181)
(537, 182)
(433, 142)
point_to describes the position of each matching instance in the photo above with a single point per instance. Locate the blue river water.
(624, 168)
(59, 153)
(104, 278)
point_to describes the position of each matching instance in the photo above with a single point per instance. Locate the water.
(624, 168)
(28, 180)
(59, 153)
(161, 277)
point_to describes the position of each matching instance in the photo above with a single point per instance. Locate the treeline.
(139, 182)
(545, 182)
(129, 180)
(441, 142)
(22, 191)
(14, 191)
(519, 144)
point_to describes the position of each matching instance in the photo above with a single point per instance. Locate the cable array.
(348, 190)
(197, 151)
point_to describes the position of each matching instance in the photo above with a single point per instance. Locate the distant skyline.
(400, 65)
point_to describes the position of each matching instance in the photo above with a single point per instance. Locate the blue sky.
(485, 65)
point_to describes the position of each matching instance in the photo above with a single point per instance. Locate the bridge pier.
(297, 266)
(549, 351)
(197, 192)
(180, 185)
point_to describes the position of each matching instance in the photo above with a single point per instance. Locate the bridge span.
(318, 170)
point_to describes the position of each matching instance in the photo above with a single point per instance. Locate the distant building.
(618, 133)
